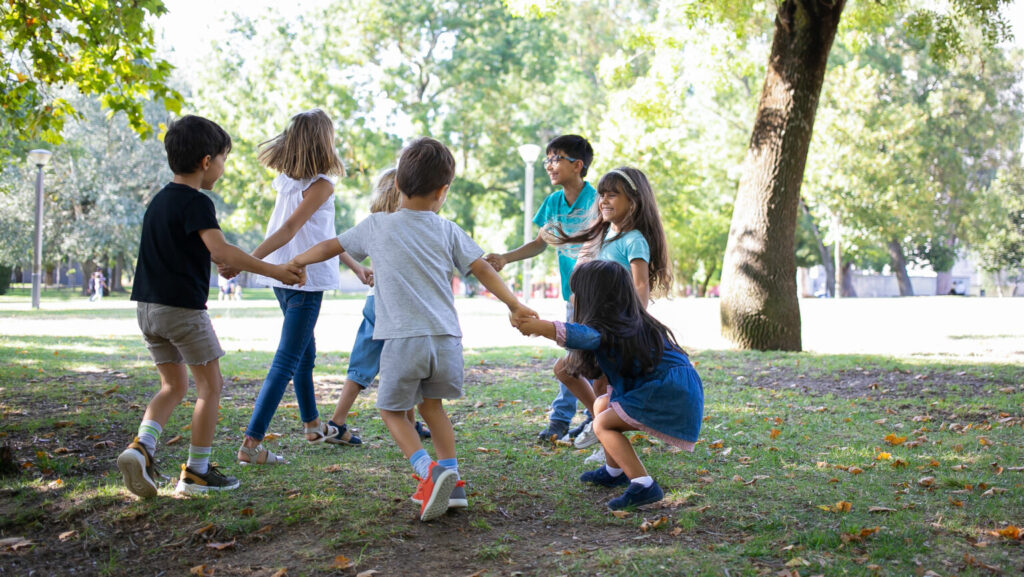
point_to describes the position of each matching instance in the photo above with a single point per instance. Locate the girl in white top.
(303, 215)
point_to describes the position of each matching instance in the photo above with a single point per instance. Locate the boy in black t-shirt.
(180, 237)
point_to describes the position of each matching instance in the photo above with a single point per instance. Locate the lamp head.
(529, 153)
(39, 157)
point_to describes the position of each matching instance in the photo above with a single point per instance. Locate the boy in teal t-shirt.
(567, 159)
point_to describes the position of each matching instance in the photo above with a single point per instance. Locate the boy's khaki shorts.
(417, 368)
(176, 335)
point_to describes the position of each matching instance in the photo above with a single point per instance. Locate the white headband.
(625, 176)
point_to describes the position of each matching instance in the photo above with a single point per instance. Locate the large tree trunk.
(115, 275)
(848, 290)
(899, 266)
(760, 308)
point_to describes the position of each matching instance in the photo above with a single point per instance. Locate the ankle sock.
(149, 432)
(646, 481)
(420, 462)
(451, 465)
(612, 470)
(199, 459)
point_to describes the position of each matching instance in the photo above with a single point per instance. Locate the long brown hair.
(643, 217)
(385, 193)
(305, 148)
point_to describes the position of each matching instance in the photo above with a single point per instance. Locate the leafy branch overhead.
(102, 48)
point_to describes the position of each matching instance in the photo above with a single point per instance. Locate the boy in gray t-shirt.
(414, 253)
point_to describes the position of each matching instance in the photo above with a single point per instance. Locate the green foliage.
(102, 48)
(1000, 226)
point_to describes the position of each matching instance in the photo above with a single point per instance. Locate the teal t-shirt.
(625, 248)
(573, 219)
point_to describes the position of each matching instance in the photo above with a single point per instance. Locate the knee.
(600, 404)
(560, 371)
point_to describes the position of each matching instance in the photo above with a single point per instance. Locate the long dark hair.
(644, 217)
(607, 302)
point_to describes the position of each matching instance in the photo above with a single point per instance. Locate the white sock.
(199, 459)
(149, 432)
(612, 470)
(646, 481)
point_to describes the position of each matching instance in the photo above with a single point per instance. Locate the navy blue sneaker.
(637, 495)
(422, 430)
(601, 476)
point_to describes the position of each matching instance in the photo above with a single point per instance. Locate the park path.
(978, 329)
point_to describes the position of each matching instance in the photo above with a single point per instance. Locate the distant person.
(180, 236)
(414, 253)
(97, 285)
(364, 362)
(653, 386)
(567, 159)
(306, 160)
(224, 284)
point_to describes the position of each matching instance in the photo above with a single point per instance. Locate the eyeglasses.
(554, 159)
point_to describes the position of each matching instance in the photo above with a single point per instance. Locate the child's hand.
(520, 314)
(226, 271)
(291, 274)
(496, 261)
(532, 327)
(365, 275)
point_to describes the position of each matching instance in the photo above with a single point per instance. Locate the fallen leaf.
(621, 514)
(367, 573)
(341, 562)
(335, 468)
(280, 572)
(674, 532)
(855, 470)
(63, 424)
(263, 529)
(221, 546)
(955, 502)
(1010, 532)
(103, 445)
(883, 456)
(204, 529)
(173, 440)
(926, 481)
(892, 439)
(66, 535)
(774, 433)
(14, 543)
(201, 570)
(993, 491)
(247, 512)
(271, 436)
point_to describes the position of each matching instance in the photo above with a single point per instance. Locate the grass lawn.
(808, 464)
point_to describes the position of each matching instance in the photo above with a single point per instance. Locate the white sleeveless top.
(322, 276)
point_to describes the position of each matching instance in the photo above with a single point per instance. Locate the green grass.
(787, 438)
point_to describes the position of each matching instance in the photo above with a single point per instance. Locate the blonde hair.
(385, 193)
(305, 148)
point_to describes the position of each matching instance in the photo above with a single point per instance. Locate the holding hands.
(290, 273)
(496, 261)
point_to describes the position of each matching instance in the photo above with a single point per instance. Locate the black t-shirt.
(174, 264)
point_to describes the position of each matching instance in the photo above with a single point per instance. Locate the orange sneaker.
(434, 491)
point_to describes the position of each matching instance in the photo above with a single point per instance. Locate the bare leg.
(348, 397)
(402, 431)
(601, 385)
(443, 436)
(578, 386)
(618, 450)
(173, 386)
(411, 416)
(204, 417)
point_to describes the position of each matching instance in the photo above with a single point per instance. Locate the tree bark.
(760, 309)
(848, 290)
(115, 275)
(826, 260)
(899, 266)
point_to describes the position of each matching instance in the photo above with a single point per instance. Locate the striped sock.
(420, 462)
(199, 459)
(149, 432)
(451, 465)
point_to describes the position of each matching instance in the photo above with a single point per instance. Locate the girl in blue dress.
(652, 385)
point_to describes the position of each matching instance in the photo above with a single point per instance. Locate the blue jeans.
(293, 361)
(364, 362)
(563, 408)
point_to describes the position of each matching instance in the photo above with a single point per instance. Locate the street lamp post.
(39, 158)
(529, 154)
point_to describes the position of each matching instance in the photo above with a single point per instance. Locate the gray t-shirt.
(414, 255)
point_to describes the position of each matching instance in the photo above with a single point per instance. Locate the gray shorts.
(176, 335)
(417, 368)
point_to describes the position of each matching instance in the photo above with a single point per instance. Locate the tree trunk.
(848, 290)
(115, 275)
(86, 273)
(760, 309)
(899, 266)
(943, 282)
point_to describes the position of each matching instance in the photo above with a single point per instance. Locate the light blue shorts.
(364, 362)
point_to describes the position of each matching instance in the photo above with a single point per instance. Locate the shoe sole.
(132, 465)
(440, 496)
(193, 489)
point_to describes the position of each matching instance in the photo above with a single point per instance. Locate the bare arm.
(364, 273)
(537, 328)
(528, 250)
(641, 280)
(487, 276)
(224, 253)
(313, 198)
(319, 252)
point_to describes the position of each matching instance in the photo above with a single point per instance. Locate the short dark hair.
(425, 166)
(190, 139)
(575, 146)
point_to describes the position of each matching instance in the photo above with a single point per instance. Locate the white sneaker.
(587, 437)
(597, 457)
